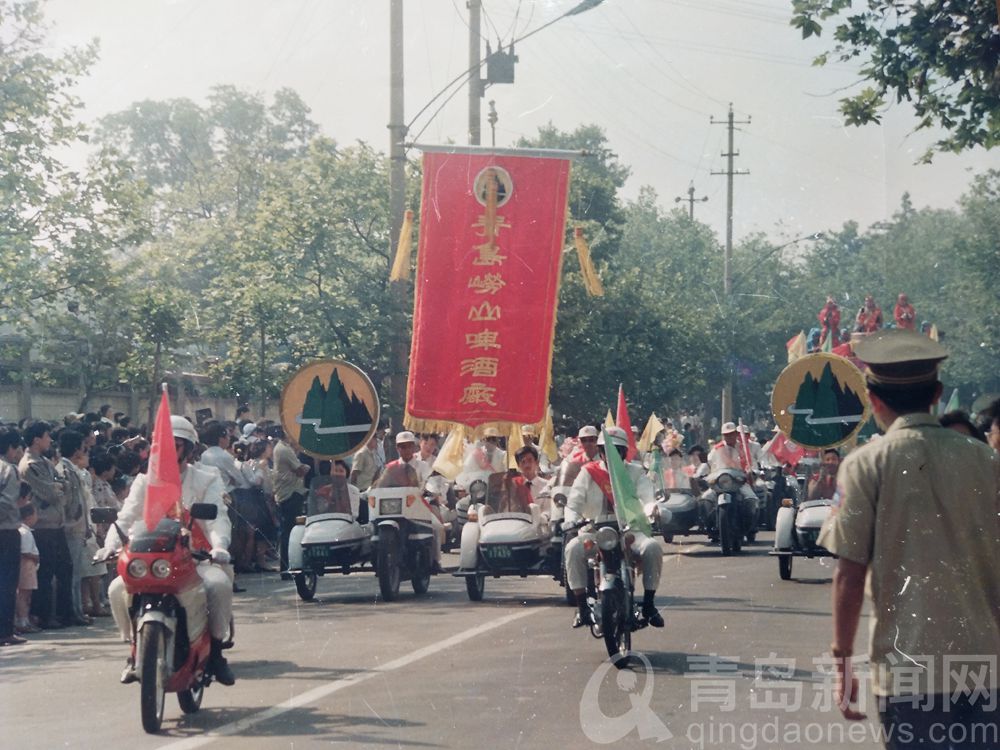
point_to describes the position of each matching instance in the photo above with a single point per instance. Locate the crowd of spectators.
(52, 475)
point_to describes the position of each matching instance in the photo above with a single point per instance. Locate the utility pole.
(475, 82)
(691, 200)
(397, 198)
(727, 281)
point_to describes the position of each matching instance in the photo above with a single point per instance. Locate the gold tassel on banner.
(514, 443)
(591, 281)
(452, 454)
(401, 265)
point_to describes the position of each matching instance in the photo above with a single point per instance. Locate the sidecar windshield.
(400, 475)
(568, 472)
(328, 494)
(505, 494)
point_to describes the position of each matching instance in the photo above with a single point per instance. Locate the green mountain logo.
(825, 411)
(332, 421)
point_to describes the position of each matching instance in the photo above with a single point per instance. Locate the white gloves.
(220, 556)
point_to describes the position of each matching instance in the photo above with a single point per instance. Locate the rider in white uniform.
(198, 485)
(587, 500)
(726, 455)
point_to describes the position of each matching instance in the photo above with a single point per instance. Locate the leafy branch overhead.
(940, 56)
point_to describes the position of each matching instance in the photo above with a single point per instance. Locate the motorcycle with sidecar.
(505, 534)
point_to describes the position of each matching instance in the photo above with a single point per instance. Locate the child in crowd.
(28, 580)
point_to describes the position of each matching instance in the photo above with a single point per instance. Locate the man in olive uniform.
(918, 517)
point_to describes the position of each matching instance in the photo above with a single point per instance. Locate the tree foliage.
(232, 238)
(56, 224)
(941, 56)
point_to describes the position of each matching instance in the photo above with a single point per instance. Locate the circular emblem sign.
(330, 408)
(820, 401)
(489, 177)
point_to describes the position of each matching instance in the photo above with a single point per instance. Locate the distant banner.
(489, 258)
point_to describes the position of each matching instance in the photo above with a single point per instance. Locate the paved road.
(733, 668)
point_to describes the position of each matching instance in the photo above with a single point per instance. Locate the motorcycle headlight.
(725, 482)
(559, 499)
(391, 506)
(137, 568)
(160, 568)
(607, 538)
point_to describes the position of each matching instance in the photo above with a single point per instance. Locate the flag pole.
(746, 446)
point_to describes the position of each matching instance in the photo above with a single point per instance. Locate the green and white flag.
(628, 507)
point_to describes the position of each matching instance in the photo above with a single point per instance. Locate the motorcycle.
(506, 535)
(171, 643)
(557, 494)
(611, 589)
(330, 538)
(796, 532)
(404, 533)
(729, 516)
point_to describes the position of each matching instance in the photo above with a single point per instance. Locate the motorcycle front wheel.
(421, 580)
(615, 626)
(388, 564)
(190, 700)
(305, 584)
(785, 567)
(727, 530)
(153, 658)
(475, 587)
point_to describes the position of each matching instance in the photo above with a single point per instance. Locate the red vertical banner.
(487, 284)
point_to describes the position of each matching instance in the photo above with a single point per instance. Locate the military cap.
(900, 357)
(588, 430)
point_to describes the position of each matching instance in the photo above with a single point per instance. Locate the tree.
(941, 56)
(55, 223)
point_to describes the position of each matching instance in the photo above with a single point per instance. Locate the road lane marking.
(311, 696)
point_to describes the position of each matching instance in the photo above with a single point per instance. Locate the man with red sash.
(587, 449)
(829, 320)
(904, 313)
(869, 318)
(733, 453)
(406, 446)
(198, 485)
(591, 499)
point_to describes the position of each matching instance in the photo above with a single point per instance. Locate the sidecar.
(506, 534)
(329, 538)
(796, 530)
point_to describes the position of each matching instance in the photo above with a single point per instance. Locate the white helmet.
(617, 435)
(183, 429)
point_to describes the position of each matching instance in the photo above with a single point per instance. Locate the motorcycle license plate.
(497, 553)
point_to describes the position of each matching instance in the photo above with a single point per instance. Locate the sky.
(651, 73)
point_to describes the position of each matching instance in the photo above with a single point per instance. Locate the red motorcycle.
(171, 643)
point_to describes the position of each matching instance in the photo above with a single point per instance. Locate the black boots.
(218, 665)
(649, 611)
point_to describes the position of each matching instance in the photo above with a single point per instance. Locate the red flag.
(163, 487)
(623, 421)
(785, 450)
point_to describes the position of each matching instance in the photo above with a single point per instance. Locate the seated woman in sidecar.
(330, 492)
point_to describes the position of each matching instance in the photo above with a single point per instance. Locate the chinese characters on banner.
(488, 265)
